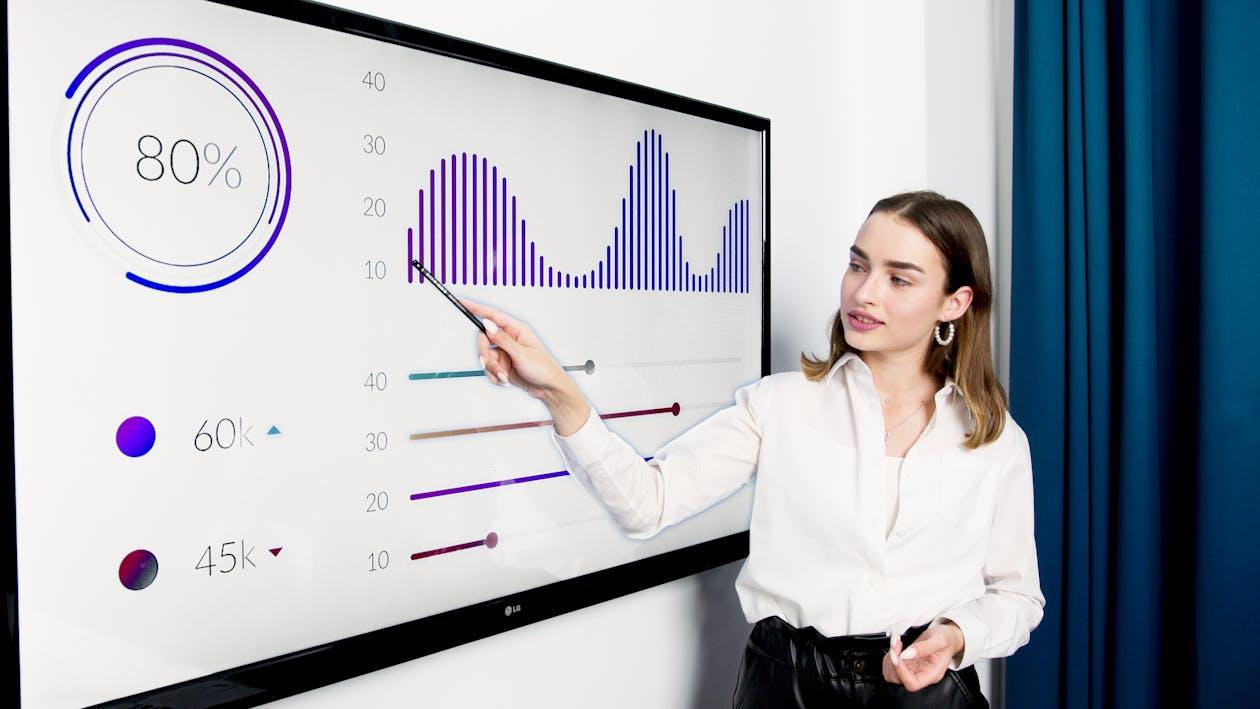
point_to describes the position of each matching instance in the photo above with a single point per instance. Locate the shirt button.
(859, 665)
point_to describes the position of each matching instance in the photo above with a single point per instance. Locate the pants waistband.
(808, 650)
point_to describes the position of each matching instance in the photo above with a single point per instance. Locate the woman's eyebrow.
(904, 265)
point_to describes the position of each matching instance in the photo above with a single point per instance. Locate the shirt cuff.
(970, 628)
(585, 445)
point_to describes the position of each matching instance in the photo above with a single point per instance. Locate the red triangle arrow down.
(276, 551)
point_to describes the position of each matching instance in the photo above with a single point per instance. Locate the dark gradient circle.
(138, 569)
(135, 436)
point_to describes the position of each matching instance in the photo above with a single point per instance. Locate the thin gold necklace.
(912, 413)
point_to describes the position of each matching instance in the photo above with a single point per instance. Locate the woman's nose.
(865, 291)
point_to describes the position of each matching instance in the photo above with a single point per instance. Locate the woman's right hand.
(518, 357)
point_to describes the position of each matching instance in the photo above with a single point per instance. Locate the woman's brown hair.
(957, 235)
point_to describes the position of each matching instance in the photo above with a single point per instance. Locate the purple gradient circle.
(135, 436)
(492, 540)
(138, 569)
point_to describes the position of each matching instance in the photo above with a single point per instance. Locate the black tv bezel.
(296, 672)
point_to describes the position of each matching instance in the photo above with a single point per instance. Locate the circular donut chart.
(177, 162)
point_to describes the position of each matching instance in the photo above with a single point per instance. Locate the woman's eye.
(899, 281)
(855, 266)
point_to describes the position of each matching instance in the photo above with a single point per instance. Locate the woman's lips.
(861, 326)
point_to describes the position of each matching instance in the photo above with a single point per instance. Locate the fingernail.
(910, 654)
(503, 378)
(893, 656)
(491, 328)
(482, 362)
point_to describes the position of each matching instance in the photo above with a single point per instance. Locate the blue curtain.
(1135, 348)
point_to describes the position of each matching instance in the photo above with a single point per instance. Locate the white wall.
(865, 99)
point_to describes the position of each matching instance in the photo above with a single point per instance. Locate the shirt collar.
(851, 358)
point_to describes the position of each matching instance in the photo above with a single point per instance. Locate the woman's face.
(897, 278)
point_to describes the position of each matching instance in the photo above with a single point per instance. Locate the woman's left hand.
(925, 661)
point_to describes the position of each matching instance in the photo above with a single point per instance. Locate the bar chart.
(471, 231)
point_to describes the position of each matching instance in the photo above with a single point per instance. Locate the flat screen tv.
(252, 451)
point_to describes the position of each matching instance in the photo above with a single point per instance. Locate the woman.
(891, 541)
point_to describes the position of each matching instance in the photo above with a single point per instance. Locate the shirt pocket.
(968, 490)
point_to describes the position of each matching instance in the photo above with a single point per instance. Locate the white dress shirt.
(961, 547)
(892, 490)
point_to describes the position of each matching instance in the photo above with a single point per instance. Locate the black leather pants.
(787, 667)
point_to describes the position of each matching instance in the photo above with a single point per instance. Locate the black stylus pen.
(468, 313)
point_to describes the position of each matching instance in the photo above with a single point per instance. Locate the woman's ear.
(956, 304)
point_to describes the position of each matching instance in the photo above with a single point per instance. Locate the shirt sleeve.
(701, 466)
(1001, 621)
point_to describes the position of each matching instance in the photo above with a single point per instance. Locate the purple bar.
(583, 280)
(485, 275)
(653, 252)
(483, 486)
(420, 227)
(616, 248)
(566, 281)
(410, 256)
(454, 217)
(730, 230)
(550, 274)
(679, 283)
(673, 214)
(494, 224)
(601, 274)
(522, 252)
(432, 232)
(669, 232)
(474, 211)
(739, 254)
(643, 217)
(625, 239)
(442, 275)
(542, 266)
(634, 213)
(504, 257)
(464, 218)
(532, 263)
(513, 245)
(738, 247)
(608, 257)
(657, 238)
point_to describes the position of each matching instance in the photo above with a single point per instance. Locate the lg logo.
(509, 610)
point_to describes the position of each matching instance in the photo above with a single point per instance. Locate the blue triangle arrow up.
(273, 432)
